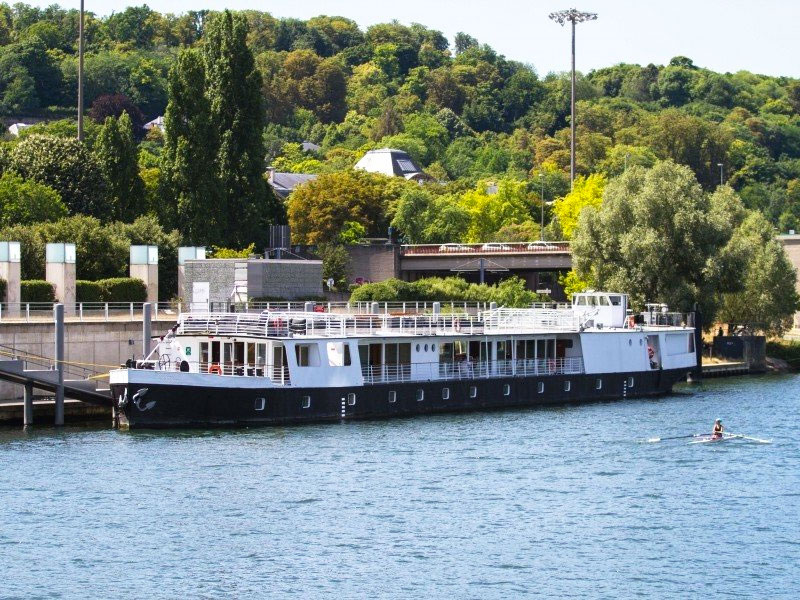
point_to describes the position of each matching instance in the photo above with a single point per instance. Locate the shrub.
(88, 291)
(37, 290)
(123, 289)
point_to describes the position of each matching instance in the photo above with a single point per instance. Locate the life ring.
(215, 368)
(650, 352)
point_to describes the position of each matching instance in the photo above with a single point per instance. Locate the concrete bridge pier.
(58, 315)
(27, 419)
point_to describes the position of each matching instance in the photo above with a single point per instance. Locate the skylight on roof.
(406, 166)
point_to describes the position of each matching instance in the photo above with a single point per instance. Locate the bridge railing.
(536, 247)
(27, 312)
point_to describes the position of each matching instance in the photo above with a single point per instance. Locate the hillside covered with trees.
(241, 91)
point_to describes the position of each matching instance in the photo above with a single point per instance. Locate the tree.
(233, 89)
(767, 300)
(117, 155)
(335, 264)
(25, 202)
(488, 212)
(319, 209)
(188, 165)
(658, 237)
(423, 218)
(587, 191)
(67, 166)
(113, 105)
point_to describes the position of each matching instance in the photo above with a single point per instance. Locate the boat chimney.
(308, 307)
(375, 308)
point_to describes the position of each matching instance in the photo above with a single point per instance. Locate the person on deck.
(718, 429)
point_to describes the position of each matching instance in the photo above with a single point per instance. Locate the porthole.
(567, 386)
(540, 387)
(306, 402)
(261, 403)
(420, 395)
(433, 347)
(630, 382)
(473, 391)
(426, 347)
(445, 393)
(351, 399)
(630, 342)
(392, 396)
(417, 347)
(506, 389)
(598, 384)
(641, 342)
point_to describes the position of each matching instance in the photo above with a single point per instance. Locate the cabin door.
(653, 352)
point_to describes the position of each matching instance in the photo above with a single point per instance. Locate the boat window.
(691, 343)
(615, 300)
(567, 386)
(261, 403)
(630, 382)
(420, 395)
(473, 391)
(390, 352)
(541, 387)
(392, 396)
(306, 402)
(602, 300)
(446, 352)
(204, 356)
(351, 399)
(445, 393)
(261, 355)
(404, 354)
(307, 355)
(417, 347)
(338, 354)
(251, 354)
(506, 389)
(363, 353)
(598, 384)
(581, 301)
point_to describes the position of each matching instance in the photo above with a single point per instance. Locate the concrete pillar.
(144, 266)
(60, 271)
(10, 271)
(58, 317)
(147, 328)
(187, 253)
(28, 400)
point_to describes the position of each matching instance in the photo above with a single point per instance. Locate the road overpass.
(538, 263)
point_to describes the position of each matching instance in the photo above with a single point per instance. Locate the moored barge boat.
(283, 367)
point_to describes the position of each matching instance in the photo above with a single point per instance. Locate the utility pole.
(574, 16)
(80, 74)
(541, 229)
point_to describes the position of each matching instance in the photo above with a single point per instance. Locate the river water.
(560, 502)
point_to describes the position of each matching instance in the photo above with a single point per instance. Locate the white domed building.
(394, 163)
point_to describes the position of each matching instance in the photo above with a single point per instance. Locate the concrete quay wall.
(98, 345)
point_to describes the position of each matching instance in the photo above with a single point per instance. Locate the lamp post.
(80, 74)
(541, 229)
(721, 179)
(572, 15)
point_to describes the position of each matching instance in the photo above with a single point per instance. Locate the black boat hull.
(173, 406)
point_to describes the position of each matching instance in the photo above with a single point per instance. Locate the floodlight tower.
(572, 15)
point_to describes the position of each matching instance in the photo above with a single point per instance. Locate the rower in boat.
(716, 433)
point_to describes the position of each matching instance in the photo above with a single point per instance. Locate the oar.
(674, 437)
(747, 437)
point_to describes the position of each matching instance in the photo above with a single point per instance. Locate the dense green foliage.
(3, 289)
(102, 250)
(26, 202)
(116, 289)
(657, 234)
(36, 290)
(241, 90)
(509, 292)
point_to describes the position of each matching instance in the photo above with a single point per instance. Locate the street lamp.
(80, 74)
(541, 229)
(572, 15)
(721, 180)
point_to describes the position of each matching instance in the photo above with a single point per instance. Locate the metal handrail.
(533, 247)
